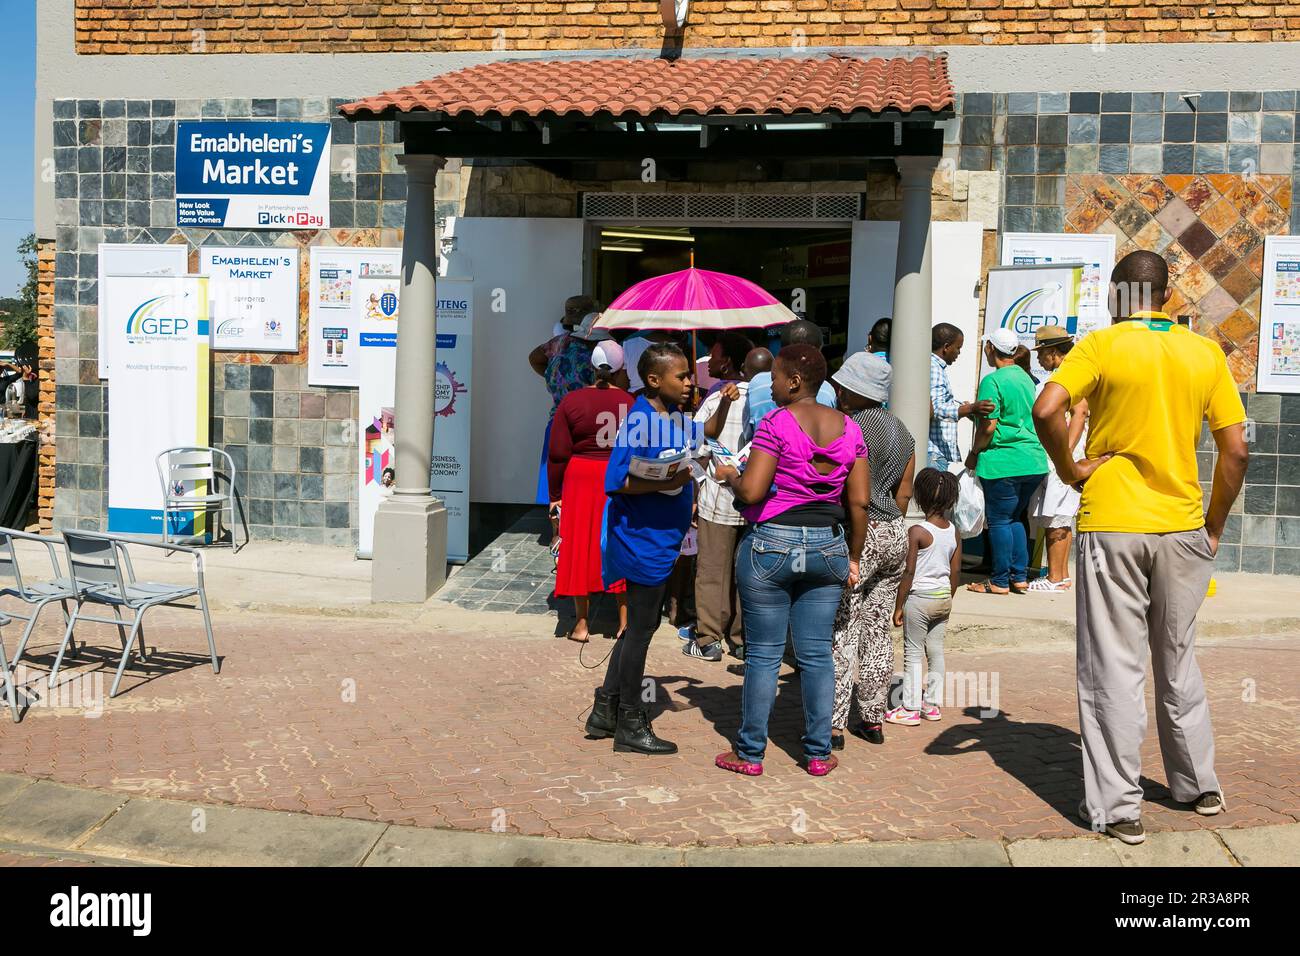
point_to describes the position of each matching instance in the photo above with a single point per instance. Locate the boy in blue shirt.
(645, 522)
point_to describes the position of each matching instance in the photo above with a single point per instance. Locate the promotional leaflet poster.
(252, 174)
(254, 294)
(1279, 317)
(158, 340)
(348, 288)
(1095, 254)
(449, 475)
(121, 259)
(1025, 298)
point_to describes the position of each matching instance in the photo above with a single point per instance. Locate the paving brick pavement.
(480, 729)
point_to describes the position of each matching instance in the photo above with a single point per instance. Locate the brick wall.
(313, 26)
(46, 407)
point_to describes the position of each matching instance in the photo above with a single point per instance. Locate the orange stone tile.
(1282, 194)
(1195, 282)
(1178, 258)
(1267, 218)
(1211, 332)
(1153, 194)
(1177, 304)
(1088, 216)
(1198, 194)
(1245, 195)
(1222, 181)
(1133, 181)
(1242, 239)
(1241, 283)
(1255, 261)
(1109, 196)
(1177, 182)
(1220, 216)
(1239, 325)
(1149, 236)
(1242, 367)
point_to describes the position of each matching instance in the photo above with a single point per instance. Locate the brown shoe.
(1210, 804)
(1130, 832)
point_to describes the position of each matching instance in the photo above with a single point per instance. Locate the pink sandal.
(821, 766)
(729, 761)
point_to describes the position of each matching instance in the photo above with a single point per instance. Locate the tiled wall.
(1050, 135)
(1263, 531)
(294, 445)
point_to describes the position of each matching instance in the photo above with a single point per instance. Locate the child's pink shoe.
(931, 712)
(901, 715)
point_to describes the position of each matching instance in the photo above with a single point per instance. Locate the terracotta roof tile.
(642, 87)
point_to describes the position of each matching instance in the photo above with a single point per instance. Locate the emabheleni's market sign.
(252, 175)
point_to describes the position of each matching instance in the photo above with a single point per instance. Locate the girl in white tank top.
(925, 596)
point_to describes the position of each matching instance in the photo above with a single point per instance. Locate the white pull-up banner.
(158, 333)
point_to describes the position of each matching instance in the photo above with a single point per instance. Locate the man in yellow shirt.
(1146, 548)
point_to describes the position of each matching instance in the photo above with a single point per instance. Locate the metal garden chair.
(34, 593)
(180, 470)
(100, 567)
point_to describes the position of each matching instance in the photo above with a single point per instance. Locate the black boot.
(635, 736)
(604, 716)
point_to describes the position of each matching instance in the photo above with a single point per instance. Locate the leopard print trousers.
(862, 647)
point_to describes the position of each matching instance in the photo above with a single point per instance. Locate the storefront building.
(1175, 134)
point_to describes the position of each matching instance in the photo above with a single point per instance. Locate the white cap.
(1004, 341)
(607, 353)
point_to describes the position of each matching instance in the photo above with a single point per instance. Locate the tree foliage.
(20, 325)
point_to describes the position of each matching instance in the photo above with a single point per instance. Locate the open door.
(957, 252)
(522, 270)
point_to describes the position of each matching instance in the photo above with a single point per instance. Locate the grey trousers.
(1135, 591)
(924, 620)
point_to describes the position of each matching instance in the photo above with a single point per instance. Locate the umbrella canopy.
(695, 300)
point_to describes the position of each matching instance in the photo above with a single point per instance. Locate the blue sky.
(18, 80)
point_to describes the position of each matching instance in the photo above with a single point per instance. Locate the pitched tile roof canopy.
(646, 87)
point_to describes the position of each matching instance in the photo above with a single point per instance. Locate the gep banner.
(1024, 298)
(252, 174)
(158, 346)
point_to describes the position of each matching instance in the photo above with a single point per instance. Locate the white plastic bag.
(968, 514)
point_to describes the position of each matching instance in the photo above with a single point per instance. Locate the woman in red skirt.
(582, 434)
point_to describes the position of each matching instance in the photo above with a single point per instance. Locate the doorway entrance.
(806, 268)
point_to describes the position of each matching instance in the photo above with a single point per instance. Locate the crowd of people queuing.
(801, 546)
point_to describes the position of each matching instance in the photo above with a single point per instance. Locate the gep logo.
(146, 322)
(229, 327)
(1031, 310)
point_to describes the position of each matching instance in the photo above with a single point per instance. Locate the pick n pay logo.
(1021, 320)
(144, 321)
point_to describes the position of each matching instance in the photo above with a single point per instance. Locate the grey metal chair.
(10, 694)
(180, 470)
(34, 593)
(101, 571)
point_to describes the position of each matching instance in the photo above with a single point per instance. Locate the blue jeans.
(789, 578)
(1005, 499)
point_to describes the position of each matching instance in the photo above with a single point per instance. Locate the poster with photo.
(1279, 317)
(352, 291)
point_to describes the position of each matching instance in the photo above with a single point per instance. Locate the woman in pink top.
(805, 483)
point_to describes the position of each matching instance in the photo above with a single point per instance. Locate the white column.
(410, 547)
(909, 340)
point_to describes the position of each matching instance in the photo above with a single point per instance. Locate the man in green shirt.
(1009, 461)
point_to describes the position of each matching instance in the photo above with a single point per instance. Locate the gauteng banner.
(158, 342)
(374, 295)
(252, 175)
(449, 475)
(1025, 298)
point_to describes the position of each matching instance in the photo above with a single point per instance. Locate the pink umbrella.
(695, 300)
